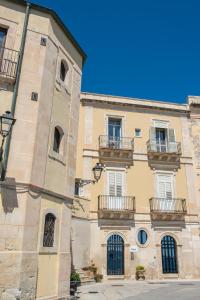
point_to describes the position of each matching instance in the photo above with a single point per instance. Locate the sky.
(136, 48)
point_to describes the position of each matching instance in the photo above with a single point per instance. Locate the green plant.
(140, 268)
(75, 277)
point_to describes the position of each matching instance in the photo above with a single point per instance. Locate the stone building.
(144, 209)
(40, 75)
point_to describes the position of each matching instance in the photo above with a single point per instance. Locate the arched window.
(63, 70)
(49, 229)
(57, 139)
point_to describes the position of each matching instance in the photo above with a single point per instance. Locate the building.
(40, 75)
(144, 209)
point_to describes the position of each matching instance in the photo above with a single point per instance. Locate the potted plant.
(140, 272)
(75, 281)
(98, 277)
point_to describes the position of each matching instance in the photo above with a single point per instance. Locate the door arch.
(169, 254)
(115, 255)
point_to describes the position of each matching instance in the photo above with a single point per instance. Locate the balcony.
(8, 65)
(162, 208)
(116, 148)
(167, 154)
(116, 207)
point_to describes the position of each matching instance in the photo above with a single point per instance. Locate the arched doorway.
(169, 255)
(115, 255)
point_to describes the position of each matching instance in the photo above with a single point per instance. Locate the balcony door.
(165, 192)
(114, 132)
(161, 139)
(3, 33)
(115, 190)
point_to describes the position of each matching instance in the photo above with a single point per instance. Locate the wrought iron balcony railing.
(116, 203)
(8, 62)
(165, 147)
(163, 205)
(118, 143)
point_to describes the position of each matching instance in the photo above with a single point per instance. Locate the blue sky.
(136, 48)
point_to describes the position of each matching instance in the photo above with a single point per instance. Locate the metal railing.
(116, 203)
(166, 147)
(119, 143)
(163, 205)
(8, 62)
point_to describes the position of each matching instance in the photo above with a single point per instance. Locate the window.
(78, 191)
(115, 190)
(49, 228)
(165, 187)
(3, 33)
(115, 183)
(142, 237)
(63, 70)
(163, 139)
(57, 139)
(138, 132)
(165, 192)
(114, 128)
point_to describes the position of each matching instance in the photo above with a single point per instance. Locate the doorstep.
(115, 277)
(171, 276)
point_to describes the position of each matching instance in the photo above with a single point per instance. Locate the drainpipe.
(16, 88)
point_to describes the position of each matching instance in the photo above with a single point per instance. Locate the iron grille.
(165, 205)
(49, 228)
(8, 62)
(167, 147)
(116, 203)
(115, 143)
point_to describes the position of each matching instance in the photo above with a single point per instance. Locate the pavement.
(141, 290)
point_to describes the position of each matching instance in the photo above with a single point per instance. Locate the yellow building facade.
(40, 77)
(144, 209)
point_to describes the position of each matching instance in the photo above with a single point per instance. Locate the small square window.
(138, 132)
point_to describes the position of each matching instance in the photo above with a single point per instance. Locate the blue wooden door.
(169, 255)
(115, 255)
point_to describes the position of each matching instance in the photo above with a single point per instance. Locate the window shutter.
(171, 134)
(168, 187)
(152, 133)
(165, 186)
(161, 189)
(111, 183)
(119, 184)
(171, 140)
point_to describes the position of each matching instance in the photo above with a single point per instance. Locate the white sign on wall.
(134, 249)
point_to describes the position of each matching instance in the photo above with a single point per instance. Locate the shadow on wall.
(9, 195)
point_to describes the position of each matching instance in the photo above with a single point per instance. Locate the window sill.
(48, 250)
(58, 157)
(60, 85)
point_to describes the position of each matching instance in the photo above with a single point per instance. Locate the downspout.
(16, 88)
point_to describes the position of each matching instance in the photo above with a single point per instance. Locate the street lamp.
(97, 170)
(6, 123)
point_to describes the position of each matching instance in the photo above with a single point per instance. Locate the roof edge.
(120, 100)
(59, 22)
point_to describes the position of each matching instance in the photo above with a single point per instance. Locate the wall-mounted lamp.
(6, 123)
(97, 170)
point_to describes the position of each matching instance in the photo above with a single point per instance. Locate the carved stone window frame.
(53, 249)
(67, 83)
(61, 156)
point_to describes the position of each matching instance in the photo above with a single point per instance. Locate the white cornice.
(125, 101)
